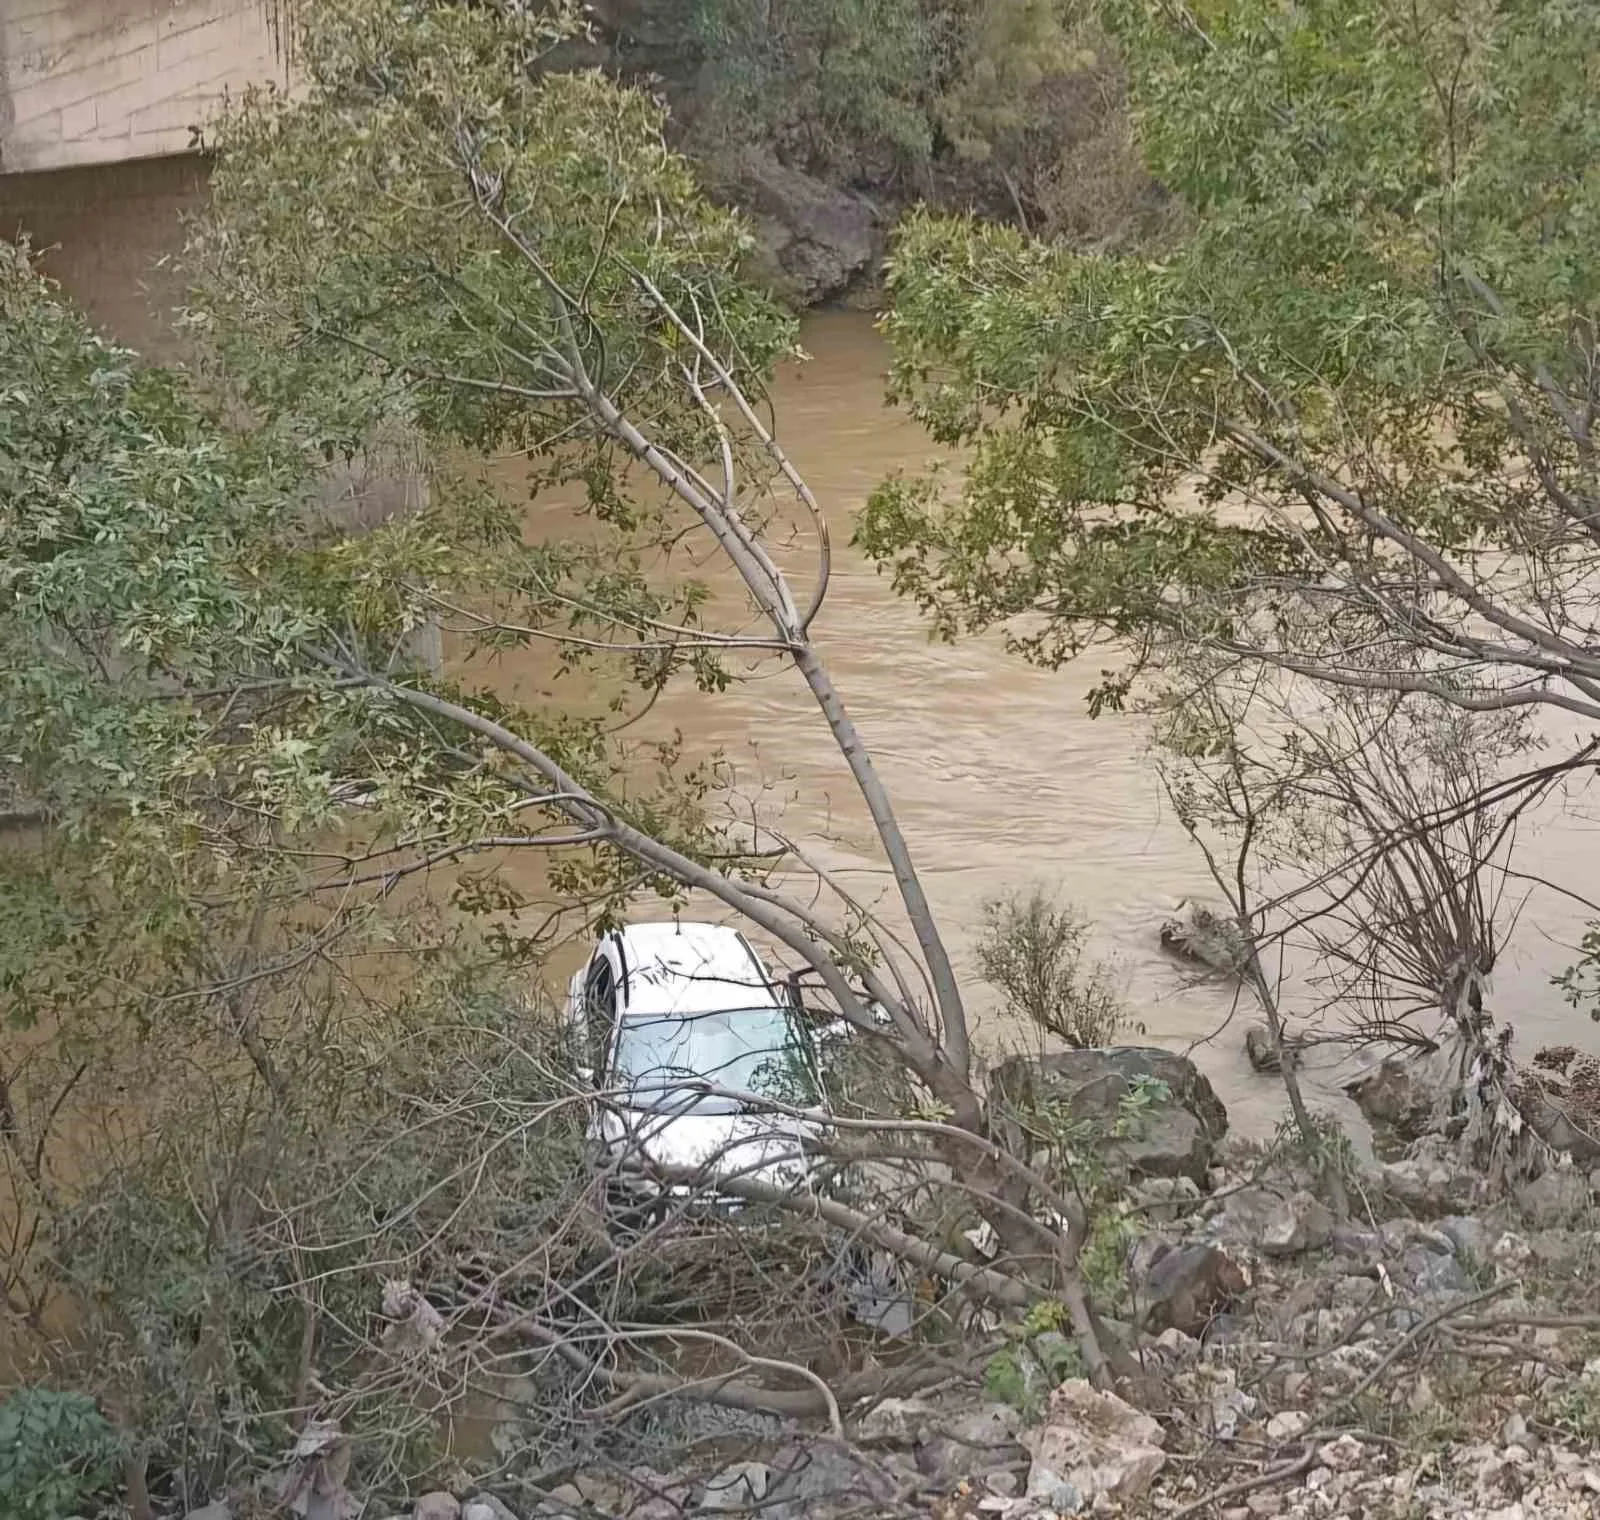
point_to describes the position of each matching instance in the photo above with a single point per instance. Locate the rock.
(968, 1441)
(1555, 1198)
(1468, 1235)
(1094, 1443)
(1002, 1481)
(1164, 1199)
(1210, 938)
(1428, 1187)
(486, 1507)
(1287, 1424)
(1275, 1225)
(1510, 1252)
(1433, 1275)
(436, 1506)
(1396, 1097)
(1176, 1345)
(1342, 1455)
(894, 1422)
(1562, 1251)
(1057, 1494)
(1300, 1223)
(1185, 1286)
(813, 241)
(1231, 1407)
(740, 1487)
(218, 1509)
(564, 1500)
(809, 1476)
(1515, 1433)
(1364, 1246)
(1261, 1050)
(1171, 1137)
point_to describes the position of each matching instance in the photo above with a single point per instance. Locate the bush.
(1032, 950)
(56, 1451)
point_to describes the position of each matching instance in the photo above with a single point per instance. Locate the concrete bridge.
(104, 81)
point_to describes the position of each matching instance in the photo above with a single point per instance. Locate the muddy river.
(1000, 777)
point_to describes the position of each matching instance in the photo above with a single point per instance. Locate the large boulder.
(1110, 1095)
(813, 241)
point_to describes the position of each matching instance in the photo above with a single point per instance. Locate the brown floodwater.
(1002, 780)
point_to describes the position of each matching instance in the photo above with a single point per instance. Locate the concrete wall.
(101, 81)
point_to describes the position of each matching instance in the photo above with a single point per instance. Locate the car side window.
(600, 1014)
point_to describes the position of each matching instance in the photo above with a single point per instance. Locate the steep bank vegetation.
(297, 1164)
(1013, 109)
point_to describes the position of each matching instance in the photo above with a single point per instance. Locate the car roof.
(689, 968)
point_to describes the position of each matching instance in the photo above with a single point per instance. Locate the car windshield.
(763, 1051)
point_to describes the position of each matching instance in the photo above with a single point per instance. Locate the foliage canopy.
(1343, 423)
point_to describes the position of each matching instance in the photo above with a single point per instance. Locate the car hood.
(764, 1147)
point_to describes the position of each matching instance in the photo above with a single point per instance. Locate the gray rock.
(1553, 1199)
(218, 1509)
(1434, 1275)
(1365, 1246)
(1429, 1187)
(1172, 1138)
(436, 1506)
(739, 1487)
(1469, 1236)
(895, 1422)
(1057, 1494)
(1261, 1050)
(807, 1476)
(1560, 1250)
(1300, 1223)
(1275, 1225)
(486, 1507)
(1287, 1424)
(1402, 1235)
(1396, 1097)
(952, 1442)
(1163, 1199)
(1231, 1407)
(565, 1499)
(814, 241)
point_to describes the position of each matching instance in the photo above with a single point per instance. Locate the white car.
(683, 1033)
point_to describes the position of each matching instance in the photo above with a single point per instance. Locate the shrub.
(1033, 950)
(56, 1450)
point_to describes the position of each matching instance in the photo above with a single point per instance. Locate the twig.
(1238, 1490)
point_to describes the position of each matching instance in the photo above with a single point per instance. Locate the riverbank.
(1406, 1363)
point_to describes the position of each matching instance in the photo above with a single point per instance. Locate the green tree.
(1322, 421)
(213, 693)
(1343, 425)
(518, 259)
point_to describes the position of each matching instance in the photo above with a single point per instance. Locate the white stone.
(1095, 1443)
(1287, 1424)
